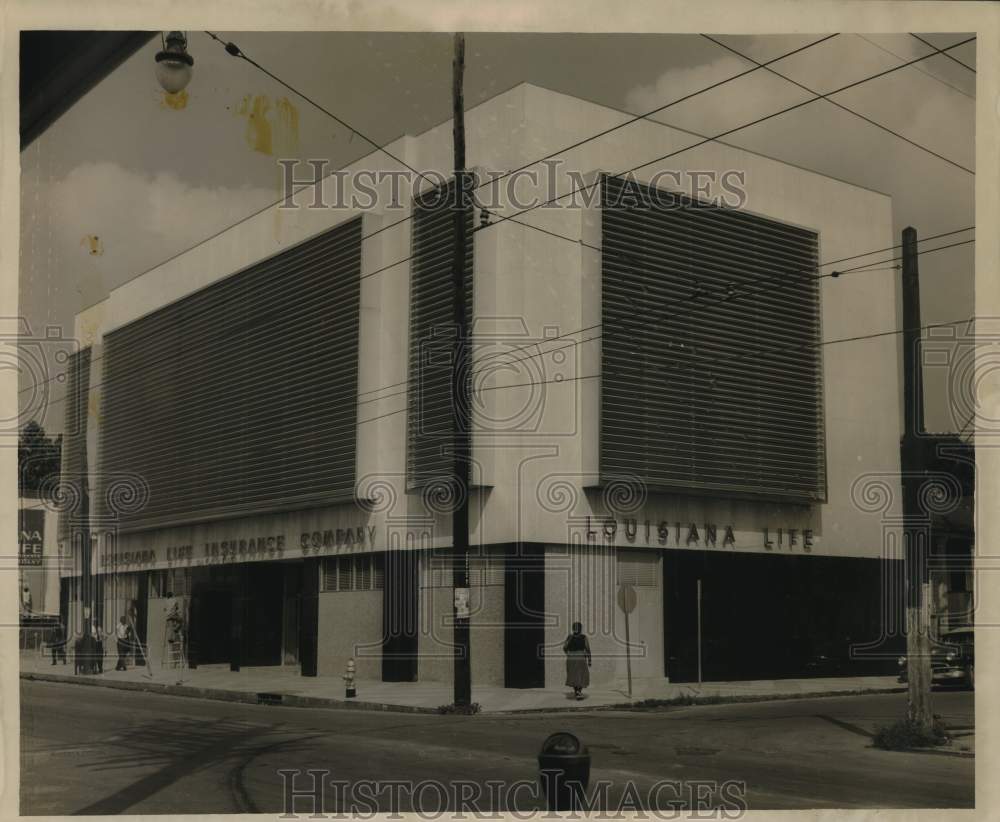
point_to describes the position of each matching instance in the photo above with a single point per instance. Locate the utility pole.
(459, 395)
(916, 533)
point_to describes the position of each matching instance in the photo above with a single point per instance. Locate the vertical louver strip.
(242, 397)
(430, 424)
(74, 456)
(711, 374)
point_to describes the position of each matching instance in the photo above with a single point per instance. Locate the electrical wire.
(696, 295)
(934, 77)
(693, 355)
(236, 51)
(951, 57)
(493, 180)
(968, 422)
(820, 344)
(657, 110)
(841, 106)
(580, 189)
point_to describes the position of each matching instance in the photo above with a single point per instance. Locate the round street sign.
(627, 597)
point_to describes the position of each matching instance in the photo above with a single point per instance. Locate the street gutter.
(222, 695)
(296, 701)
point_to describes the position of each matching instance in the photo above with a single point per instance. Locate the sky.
(129, 177)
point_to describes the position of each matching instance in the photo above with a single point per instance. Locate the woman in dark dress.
(577, 650)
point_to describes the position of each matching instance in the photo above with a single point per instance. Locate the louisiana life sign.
(680, 534)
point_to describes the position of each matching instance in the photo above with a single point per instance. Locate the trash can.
(564, 771)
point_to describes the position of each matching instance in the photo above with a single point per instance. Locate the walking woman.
(577, 650)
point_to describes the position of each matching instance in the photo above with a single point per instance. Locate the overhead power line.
(583, 188)
(951, 57)
(841, 106)
(583, 377)
(579, 189)
(697, 295)
(646, 115)
(865, 267)
(382, 148)
(236, 51)
(727, 132)
(968, 422)
(492, 181)
(924, 72)
(820, 344)
(579, 143)
(601, 134)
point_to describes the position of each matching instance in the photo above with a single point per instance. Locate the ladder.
(174, 653)
(138, 643)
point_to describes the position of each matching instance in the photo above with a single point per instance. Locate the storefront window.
(175, 581)
(359, 572)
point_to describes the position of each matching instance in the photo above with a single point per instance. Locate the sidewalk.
(284, 685)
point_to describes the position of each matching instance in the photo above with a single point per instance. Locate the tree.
(38, 458)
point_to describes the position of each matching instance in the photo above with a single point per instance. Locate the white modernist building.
(263, 421)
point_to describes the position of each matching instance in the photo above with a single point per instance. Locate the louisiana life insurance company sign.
(238, 547)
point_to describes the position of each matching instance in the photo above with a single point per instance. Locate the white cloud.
(138, 219)
(118, 206)
(734, 103)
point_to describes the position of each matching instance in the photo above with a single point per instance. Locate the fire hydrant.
(349, 679)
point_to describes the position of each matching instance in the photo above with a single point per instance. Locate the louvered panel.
(74, 459)
(640, 569)
(241, 398)
(430, 424)
(711, 377)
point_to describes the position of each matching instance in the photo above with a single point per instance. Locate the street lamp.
(173, 64)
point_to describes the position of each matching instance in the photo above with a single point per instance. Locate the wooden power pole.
(916, 533)
(459, 395)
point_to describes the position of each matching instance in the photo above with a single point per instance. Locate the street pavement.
(102, 751)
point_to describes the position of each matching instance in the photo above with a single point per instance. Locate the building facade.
(261, 426)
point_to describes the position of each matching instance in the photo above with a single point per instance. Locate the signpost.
(627, 600)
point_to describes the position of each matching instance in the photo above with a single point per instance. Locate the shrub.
(906, 733)
(464, 710)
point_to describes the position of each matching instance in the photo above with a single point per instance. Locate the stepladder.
(174, 646)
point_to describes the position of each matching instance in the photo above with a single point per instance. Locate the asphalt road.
(88, 750)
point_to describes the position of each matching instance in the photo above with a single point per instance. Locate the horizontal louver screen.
(242, 397)
(430, 424)
(358, 572)
(711, 374)
(74, 457)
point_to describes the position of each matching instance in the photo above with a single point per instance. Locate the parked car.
(953, 660)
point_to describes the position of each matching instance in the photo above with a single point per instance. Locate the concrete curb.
(221, 695)
(939, 752)
(708, 699)
(330, 703)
